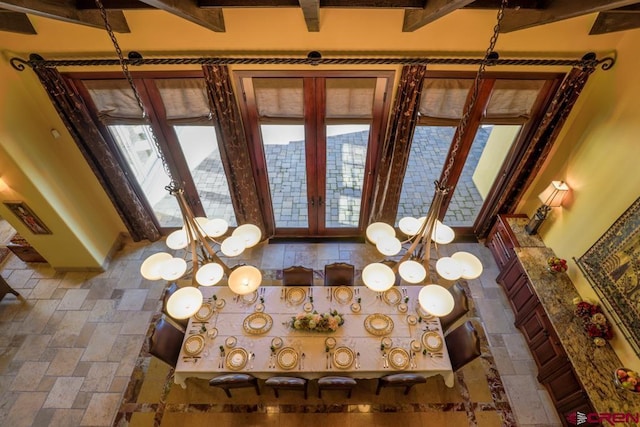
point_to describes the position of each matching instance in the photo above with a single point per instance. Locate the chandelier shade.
(470, 264)
(379, 230)
(173, 269)
(412, 271)
(215, 227)
(209, 274)
(250, 233)
(177, 239)
(436, 300)
(152, 266)
(245, 279)
(184, 303)
(233, 246)
(378, 277)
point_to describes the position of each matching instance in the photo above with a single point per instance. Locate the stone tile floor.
(68, 349)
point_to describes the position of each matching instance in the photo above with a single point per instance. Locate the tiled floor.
(68, 350)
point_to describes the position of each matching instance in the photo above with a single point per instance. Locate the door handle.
(312, 201)
(320, 201)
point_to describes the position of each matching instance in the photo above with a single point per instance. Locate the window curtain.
(234, 151)
(76, 117)
(522, 172)
(397, 145)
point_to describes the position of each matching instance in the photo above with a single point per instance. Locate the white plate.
(378, 324)
(257, 323)
(296, 295)
(231, 342)
(432, 341)
(392, 296)
(343, 294)
(204, 313)
(307, 307)
(287, 358)
(237, 359)
(194, 345)
(398, 358)
(412, 320)
(276, 342)
(343, 357)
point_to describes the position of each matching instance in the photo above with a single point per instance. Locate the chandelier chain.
(127, 74)
(489, 57)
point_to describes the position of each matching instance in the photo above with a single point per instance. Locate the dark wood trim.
(211, 19)
(432, 11)
(311, 13)
(16, 22)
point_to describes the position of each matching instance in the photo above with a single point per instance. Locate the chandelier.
(200, 264)
(423, 234)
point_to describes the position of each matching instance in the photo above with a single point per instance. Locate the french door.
(314, 140)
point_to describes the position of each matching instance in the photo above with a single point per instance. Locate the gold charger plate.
(343, 357)
(257, 323)
(194, 345)
(296, 295)
(432, 341)
(236, 359)
(392, 296)
(250, 298)
(398, 358)
(378, 324)
(287, 358)
(343, 294)
(205, 312)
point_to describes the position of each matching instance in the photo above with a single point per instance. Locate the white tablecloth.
(229, 320)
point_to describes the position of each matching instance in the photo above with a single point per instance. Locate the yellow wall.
(597, 156)
(493, 155)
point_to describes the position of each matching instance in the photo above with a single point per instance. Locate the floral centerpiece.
(556, 265)
(594, 321)
(320, 322)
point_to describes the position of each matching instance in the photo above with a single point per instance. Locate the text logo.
(611, 418)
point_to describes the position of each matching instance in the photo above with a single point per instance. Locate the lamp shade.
(378, 230)
(233, 246)
(245, 279)
(436, 300)
(184, 303)
(388, 245)
(409, 225)
(173, 269)
(215, 227)
(250, 233)
(178, 239)
(553, 195)
(448, 268)
(471, 265)
(378, 277)
(151, 267)
(209, 274)
(442, 234)
(412, 271)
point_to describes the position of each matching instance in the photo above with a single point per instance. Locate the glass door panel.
(200, 148)
(284, 151)
(346, 157)
(429, 149)
(488, 152)
(138, 150)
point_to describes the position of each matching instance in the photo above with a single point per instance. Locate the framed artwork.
(612, 266)
(28, 218)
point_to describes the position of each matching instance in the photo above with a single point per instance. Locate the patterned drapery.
(523, 172)
(397, 145)
(234, 151)
(76, 117)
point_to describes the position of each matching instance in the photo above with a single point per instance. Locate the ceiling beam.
(512, 4)
(351, 4)
(433, 10)
(615, 20)
(112, 4)
(557, 10)
(16, 22)
(210, 19)
(311, 12)
(67, 12)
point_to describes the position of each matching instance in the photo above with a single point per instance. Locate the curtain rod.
(588, 60)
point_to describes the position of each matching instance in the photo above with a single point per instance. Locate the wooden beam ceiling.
(433, 10)
(65, 10)
(556, 10)
(615, 15)
(211, 19)
(624, 18)
(15, 22)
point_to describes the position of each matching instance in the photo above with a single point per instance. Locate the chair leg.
(305, 390)
(255, 385)
(406, 390)
(227, 392)
(378, 388)
(319, 393)
(349, 394)
(275, 391)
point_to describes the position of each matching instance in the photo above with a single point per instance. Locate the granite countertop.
(593, 365)
(517, 225)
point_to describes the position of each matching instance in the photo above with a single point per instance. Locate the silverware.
(384, 360)
(302, 361)
(326, 361)
(282, 293)
(358, 360)
(330, 360)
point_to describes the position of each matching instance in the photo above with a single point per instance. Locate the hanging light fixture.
(198, 236)
(424, 233)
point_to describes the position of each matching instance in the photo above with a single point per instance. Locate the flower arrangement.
(320, 322)
(556, 264)
(594, 321)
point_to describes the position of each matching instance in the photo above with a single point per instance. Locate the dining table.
(382, 333)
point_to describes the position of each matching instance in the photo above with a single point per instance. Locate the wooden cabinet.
(501, 240)
(519, 292)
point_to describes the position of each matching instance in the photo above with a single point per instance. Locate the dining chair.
(183, 323)
(339, 274)
(460, 308)
(463, 345)
(287, 383)
(237, 380)
(391, 263)
(166, 341)
(336, 383)
(405, 380)
(297, 275)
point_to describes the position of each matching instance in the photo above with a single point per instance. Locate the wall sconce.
(551, 197)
